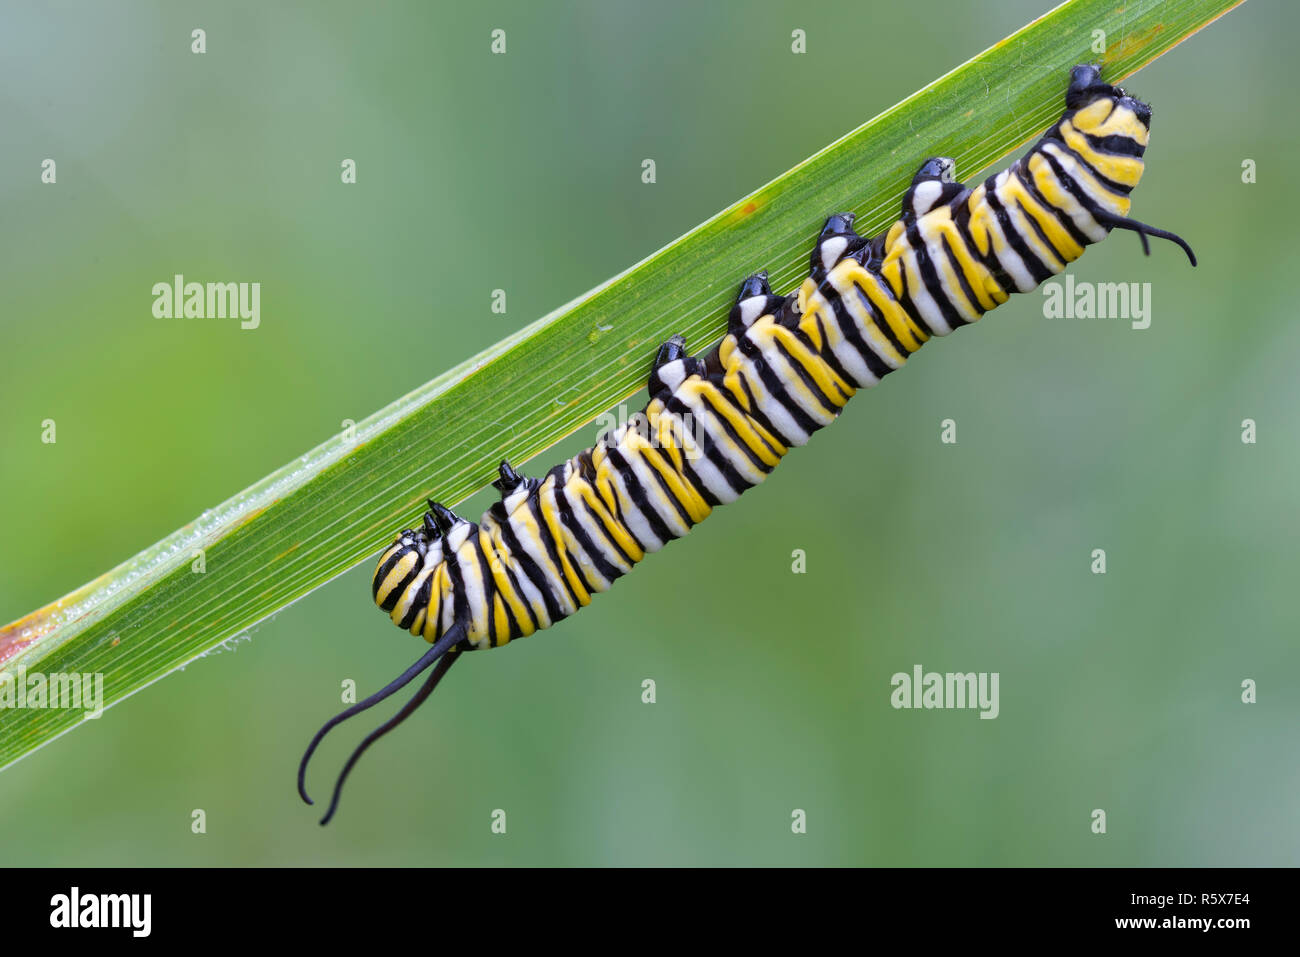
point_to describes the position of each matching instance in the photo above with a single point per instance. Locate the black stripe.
(490, 592)
(687, 473)
(518, 592)
(707, 401)
(391, 601)
(459, 600)
(930, 278)
(852, 333)
(382, 572)
(991, 262)
(754, 413)
(880, 322)
(801, 371)
(600, 524)
(1110, 184)
(421, 600)
(536, 574)
(616, 506)
(713, 451)
(539, 510)
(1061, 215)
(702, 490)
(1116, 144)
(775, 386)
(1037, 270)
(1075, 188)
(961, 275)
(663, 482)
(1037, 227)
(570, 521)
(632, 487)
(827, 354)
(904, 298)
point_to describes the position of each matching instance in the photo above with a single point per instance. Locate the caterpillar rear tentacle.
(718, 423)
(441, 653)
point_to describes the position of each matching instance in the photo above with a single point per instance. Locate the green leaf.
(339, 503)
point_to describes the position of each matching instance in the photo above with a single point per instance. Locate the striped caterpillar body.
(718, 423)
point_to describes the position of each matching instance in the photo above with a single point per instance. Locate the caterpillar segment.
(718, 423)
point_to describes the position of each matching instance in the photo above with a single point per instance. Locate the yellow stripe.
(1126, 170)
(1064, 245)
(1117, 203)
(615, 529)
(548, 511)
(806, 289)
(1045, 179)
(1100, 120)
(499, 559)
(911, 335)
(407, 598)
(1043, 250)
(502, 635)
(896, 232)
(395, 576)
(678, 487)
(976, 222)
(439, 592)
(916, 281)
(761, 442)
(524, 516)
(949, 284)
(810, 323)
(940, 224)
(824, 377)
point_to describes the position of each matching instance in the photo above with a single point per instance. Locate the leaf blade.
(321, 514)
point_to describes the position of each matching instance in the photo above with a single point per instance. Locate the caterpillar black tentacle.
(441, 653)
(718, 423)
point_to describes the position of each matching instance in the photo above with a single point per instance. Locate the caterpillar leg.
(509, 481)
(754, 300)
(837, 240)
(441, 653)
(934, 185)
(672, 367)
(439, 519)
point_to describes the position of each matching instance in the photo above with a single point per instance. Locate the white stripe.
(1105, 200)
(529, 592)
(832, 249)
(1083, 219)
(921, 298)
(785, 368)
(654, 493)
(751, 309)
(845, 351)
(466, 559)
(715, 426)
(925, 196)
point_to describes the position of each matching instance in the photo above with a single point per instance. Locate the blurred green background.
(522, 172)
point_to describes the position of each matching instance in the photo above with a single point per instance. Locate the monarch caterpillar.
(785, 368)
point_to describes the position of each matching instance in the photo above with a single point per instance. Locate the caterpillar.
(718, 423)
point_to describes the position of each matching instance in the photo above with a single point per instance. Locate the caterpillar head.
(1095, 108)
